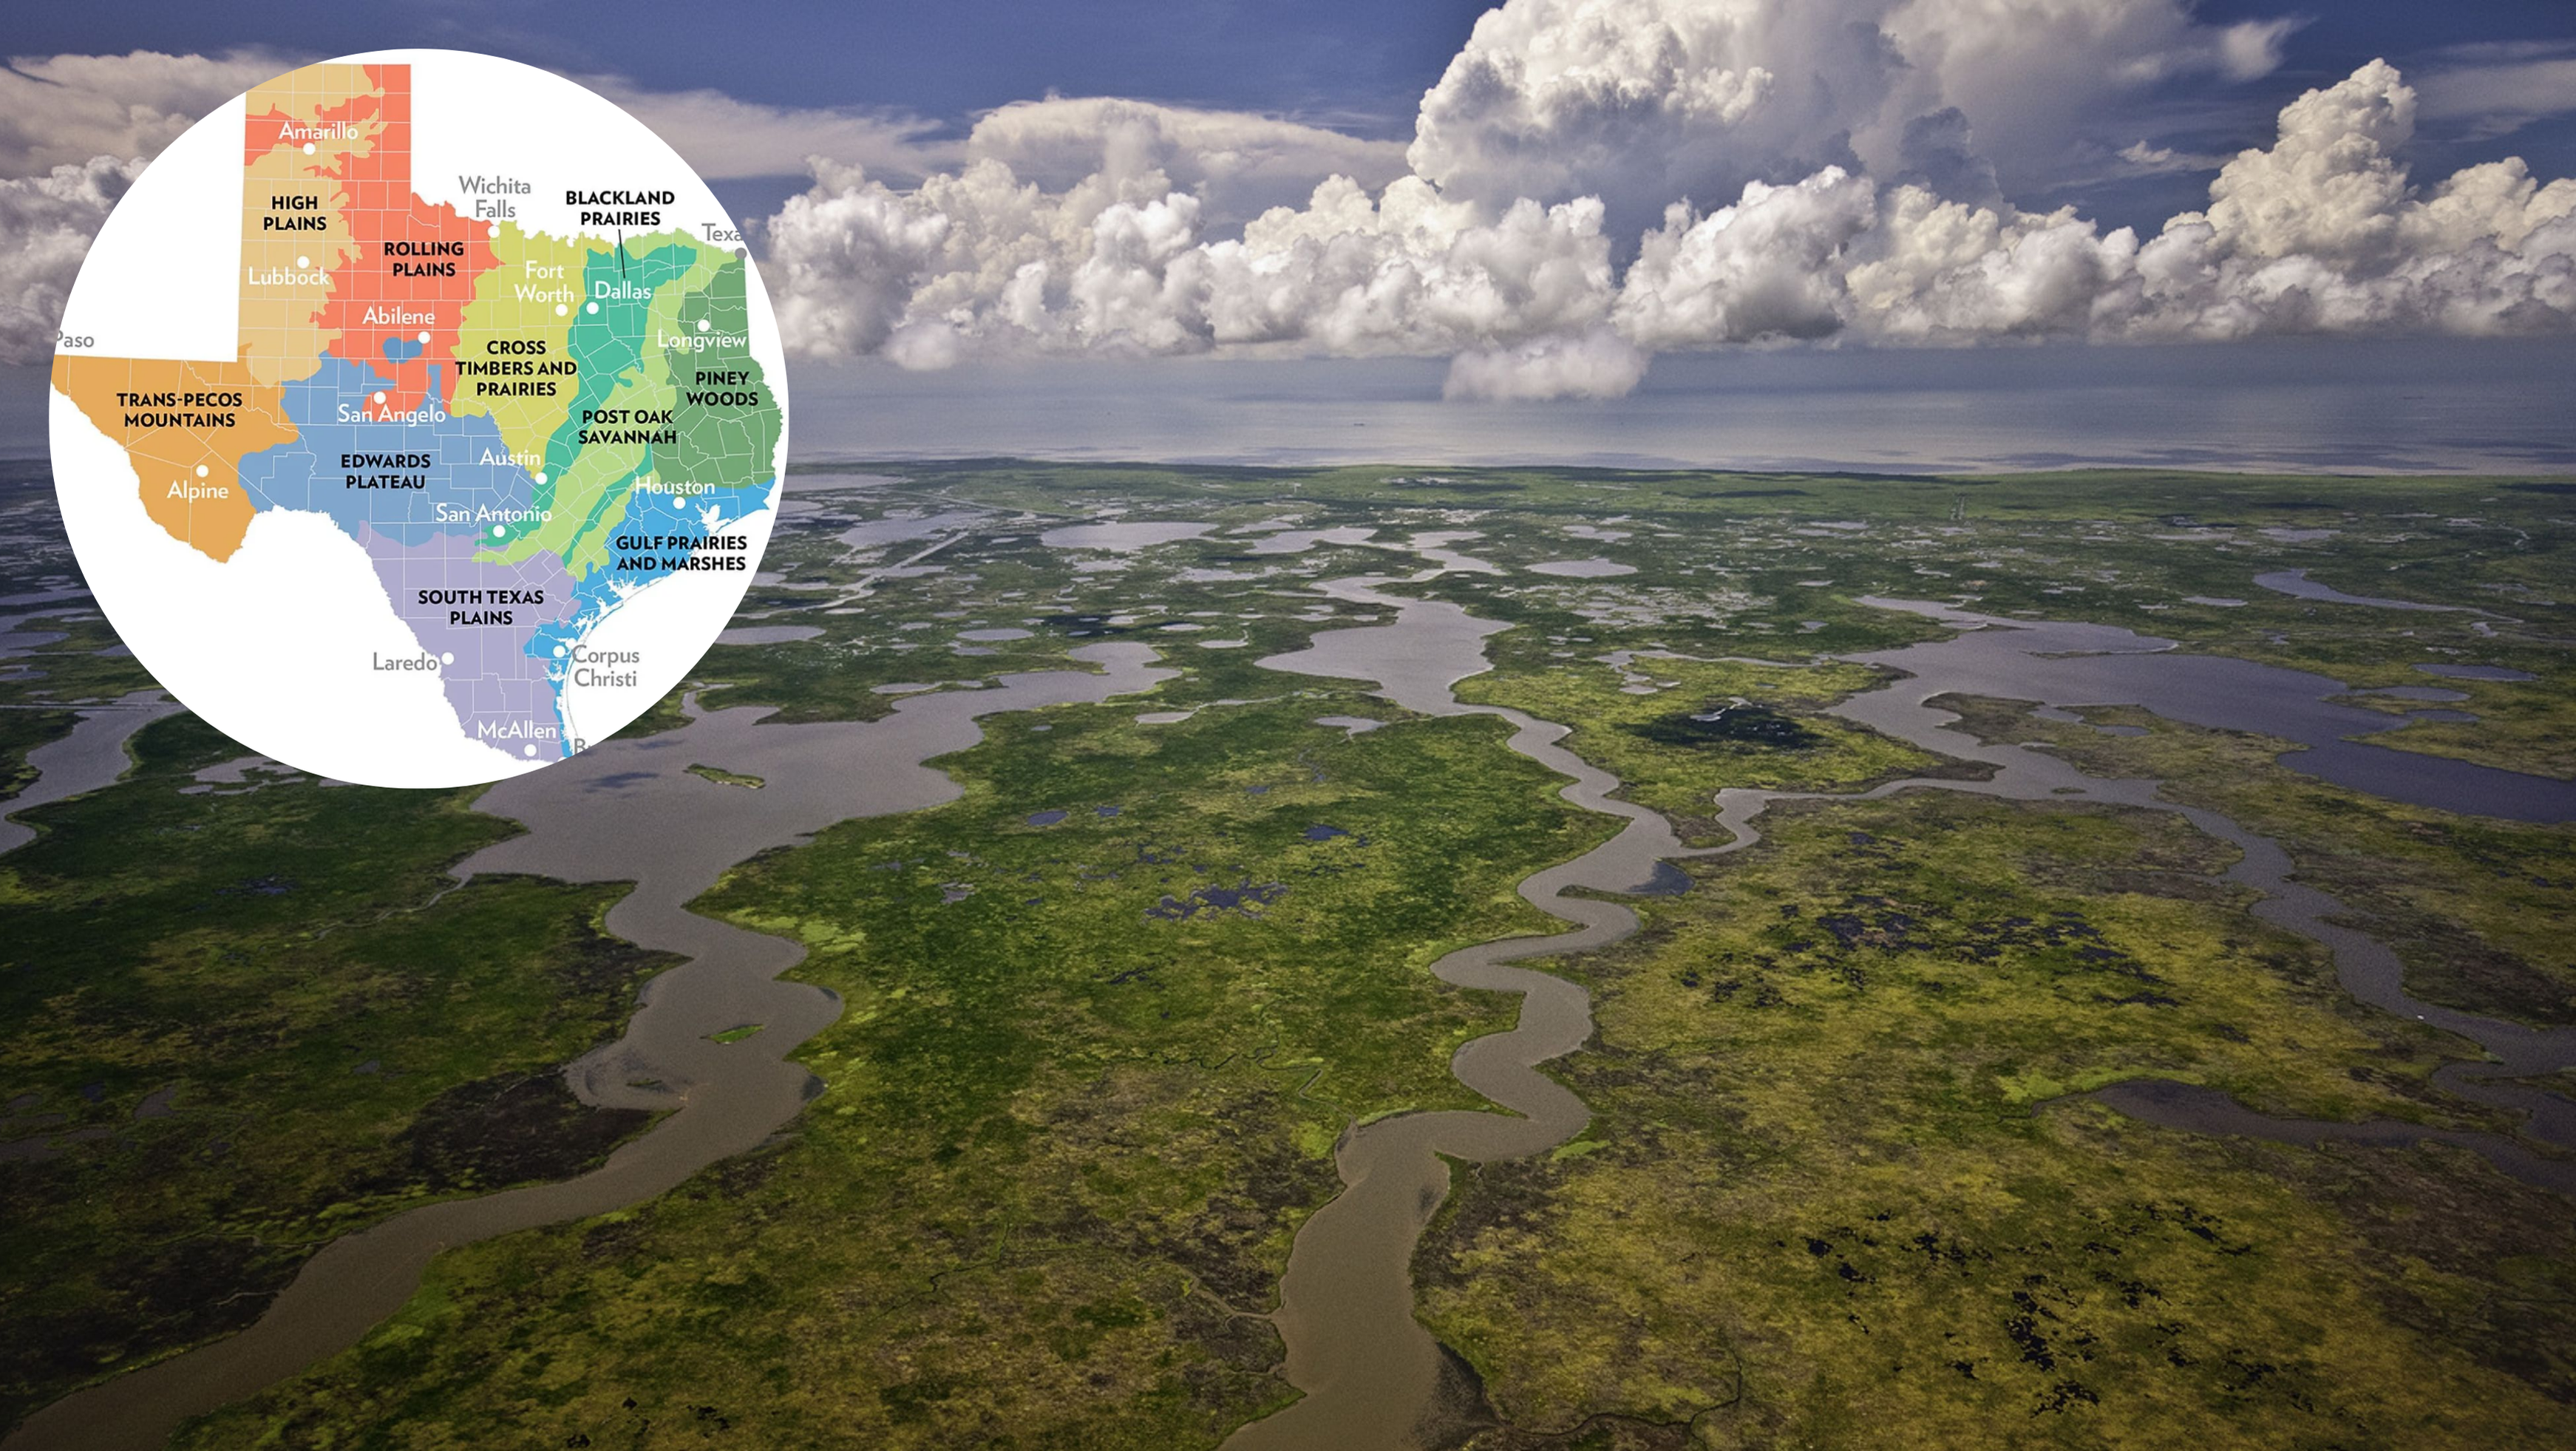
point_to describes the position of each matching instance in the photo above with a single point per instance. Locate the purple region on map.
(476, 619)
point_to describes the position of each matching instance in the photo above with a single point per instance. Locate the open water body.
(93, 755)
(624, 810)
(2067, 665)
(1373, 1377)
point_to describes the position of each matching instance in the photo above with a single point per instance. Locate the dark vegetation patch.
(1072, 624)
(509, 1129)
(1746, 726)
(265, 1039)
(22, 731)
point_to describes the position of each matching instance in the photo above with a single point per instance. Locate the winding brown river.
(626, 810)
(1370, 1373)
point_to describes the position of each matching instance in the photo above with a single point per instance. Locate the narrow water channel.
(1371, 1374)
(630, 810)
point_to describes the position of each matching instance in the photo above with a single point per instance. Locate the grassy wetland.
(1105, 1014)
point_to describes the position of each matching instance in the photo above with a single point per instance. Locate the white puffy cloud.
(1238, 165)
(843, 260)
(1121, 265)
(1766, 267)
(45, 226)
(2323, 230)
(63, 110)
(1647, 102)
(1810, 170)
(74, 133)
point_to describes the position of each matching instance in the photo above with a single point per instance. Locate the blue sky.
(1537, 201)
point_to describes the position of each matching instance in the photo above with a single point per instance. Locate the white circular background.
(274, 646)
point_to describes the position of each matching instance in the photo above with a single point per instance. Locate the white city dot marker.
(590, 307)
(303, 261)
(308, 148)
(530, 748)
(540, 478)
(380, 397)
(496, 229)
(447, 658)
(559, 652)
(498, 531)
(424, 339)
(201, 471)
(560, 309)
(703, 324)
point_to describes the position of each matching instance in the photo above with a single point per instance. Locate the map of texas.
(522, 430)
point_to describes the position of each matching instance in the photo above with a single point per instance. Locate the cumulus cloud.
(1590, 182)
(1238, 165)
(1120, 264)
(1645, 102)
(2323, 230)
(1763, 169)
(63, 110)
(45, 226)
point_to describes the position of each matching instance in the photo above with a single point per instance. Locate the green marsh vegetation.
(1091, 1068)
(238, 1023)
(1087, 1082)
(1842, 1176)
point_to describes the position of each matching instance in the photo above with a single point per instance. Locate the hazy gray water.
(1121, 537)
(2295, 582)
(93, 755)
(2293, 405)
(2021, 660)
(767, 634)
(1594, 568)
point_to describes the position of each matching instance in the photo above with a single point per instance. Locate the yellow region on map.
(514, 362)
(185, 426)
(301, 131)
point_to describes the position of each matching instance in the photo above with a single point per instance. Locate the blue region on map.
(409, 476)
(662, 530)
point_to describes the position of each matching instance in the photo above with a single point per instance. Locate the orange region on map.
(299, 134)
(398, 301)
(185, 425)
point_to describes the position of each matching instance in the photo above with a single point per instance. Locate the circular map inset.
(419, 418)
